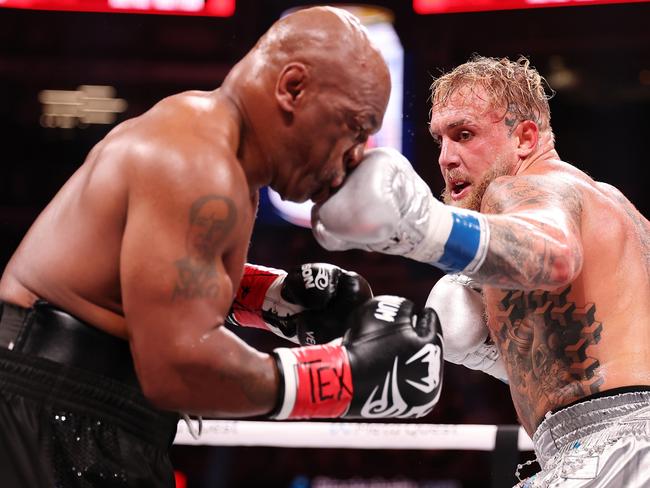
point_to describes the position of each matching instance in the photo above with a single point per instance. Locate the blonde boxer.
(563, 262)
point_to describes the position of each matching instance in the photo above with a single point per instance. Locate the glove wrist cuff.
(251, 295)
(456, 239)
(317, 382)
(286, 363)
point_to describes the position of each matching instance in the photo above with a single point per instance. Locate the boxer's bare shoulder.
(189, 194)
(546, 251)
(178, 156)
(640, 224)
(182, 129)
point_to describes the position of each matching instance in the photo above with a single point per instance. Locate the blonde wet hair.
(515, 86)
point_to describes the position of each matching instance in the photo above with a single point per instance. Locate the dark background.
(600, 121)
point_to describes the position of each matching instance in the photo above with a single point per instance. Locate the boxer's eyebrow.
(450, 125)
(363, 122)
(369, 123)
(456, 123)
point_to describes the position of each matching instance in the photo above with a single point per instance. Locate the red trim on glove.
(324, 382)
(247, 307)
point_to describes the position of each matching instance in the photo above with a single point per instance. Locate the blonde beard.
(475, 197)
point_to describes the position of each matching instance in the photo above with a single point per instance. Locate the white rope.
(346, 435)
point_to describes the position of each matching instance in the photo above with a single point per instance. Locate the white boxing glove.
(385, 206)
(459, 304)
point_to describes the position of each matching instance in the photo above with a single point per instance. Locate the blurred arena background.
(67, 77)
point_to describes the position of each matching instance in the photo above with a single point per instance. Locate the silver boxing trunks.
(598, 443)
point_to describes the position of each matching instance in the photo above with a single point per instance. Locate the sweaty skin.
(566, 280)
(148, 239)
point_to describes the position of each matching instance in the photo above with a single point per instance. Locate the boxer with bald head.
(555, 297)
(113, 305)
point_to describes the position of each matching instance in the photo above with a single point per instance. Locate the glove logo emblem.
(430, 354)
(390, 403)
(388, 307)
(321, 281)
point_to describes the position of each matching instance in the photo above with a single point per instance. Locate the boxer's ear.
(291, 85)
(527, 134)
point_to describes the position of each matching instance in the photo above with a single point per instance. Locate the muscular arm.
(534, 226)
(180, 233)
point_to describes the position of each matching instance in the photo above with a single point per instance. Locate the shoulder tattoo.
(210, 222)
(522, 253)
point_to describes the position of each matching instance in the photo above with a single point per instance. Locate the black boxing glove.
(388, 365)
(308, 305)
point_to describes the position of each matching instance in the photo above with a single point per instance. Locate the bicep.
(174, 283)
(176, 293)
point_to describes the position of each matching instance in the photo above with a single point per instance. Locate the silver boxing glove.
(385, 206)
(459, 304)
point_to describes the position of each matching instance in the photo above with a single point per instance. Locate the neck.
(243, 96)
(545, 151)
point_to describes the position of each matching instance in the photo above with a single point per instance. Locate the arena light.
(454, 6)
(207, 8)
(89, 104)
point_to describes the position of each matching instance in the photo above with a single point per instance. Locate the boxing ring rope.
(350, 435)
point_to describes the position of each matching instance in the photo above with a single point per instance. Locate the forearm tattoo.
(546, 340)
(529, 237)
(211, 219)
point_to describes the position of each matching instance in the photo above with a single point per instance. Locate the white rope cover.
(345, 435)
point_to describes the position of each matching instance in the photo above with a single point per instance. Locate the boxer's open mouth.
(459, 189)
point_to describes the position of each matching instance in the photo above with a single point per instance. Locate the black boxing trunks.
(72, 413)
